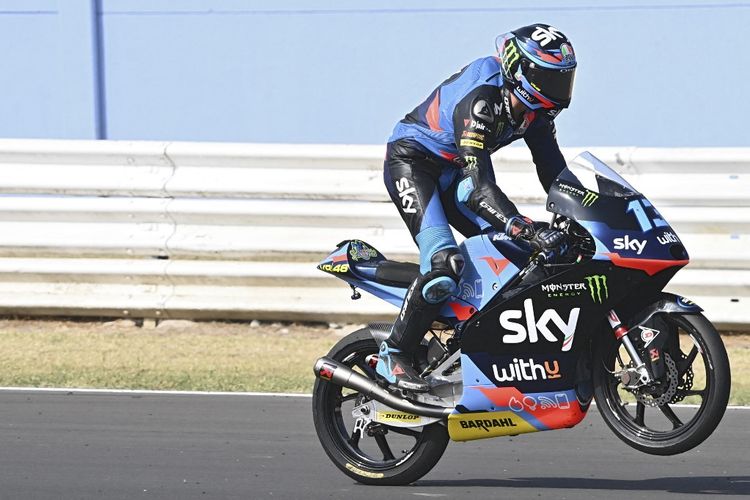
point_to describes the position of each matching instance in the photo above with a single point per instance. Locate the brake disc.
(669, 394)
(685, 383)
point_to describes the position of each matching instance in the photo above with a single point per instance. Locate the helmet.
(539, 66)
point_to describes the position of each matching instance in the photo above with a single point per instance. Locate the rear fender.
(340, 262)
(352, 261)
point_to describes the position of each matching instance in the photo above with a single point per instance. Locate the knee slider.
(447, 266)
(438, 289)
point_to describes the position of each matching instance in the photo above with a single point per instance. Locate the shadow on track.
(701, 485)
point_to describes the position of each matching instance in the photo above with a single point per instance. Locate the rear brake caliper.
(363, 417)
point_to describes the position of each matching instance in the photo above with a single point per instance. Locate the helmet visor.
(554, 84)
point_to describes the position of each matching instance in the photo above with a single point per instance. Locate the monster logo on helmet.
(539, 65)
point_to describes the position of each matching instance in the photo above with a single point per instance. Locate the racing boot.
(397, 368)
(423, 302)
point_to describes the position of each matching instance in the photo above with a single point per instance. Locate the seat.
(398, 274)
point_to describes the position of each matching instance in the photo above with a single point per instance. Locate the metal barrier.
(198, 230)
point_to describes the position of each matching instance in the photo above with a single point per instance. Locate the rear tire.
(630, 419)
(370, 457)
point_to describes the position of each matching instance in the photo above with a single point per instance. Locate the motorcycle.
(530, 339)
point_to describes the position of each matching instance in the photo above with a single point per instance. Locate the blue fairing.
(486, 272)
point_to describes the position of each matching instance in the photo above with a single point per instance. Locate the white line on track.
(146, 391)
(210, 393)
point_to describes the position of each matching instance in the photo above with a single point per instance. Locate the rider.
(438, 171)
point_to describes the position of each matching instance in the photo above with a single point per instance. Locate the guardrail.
(231, 231)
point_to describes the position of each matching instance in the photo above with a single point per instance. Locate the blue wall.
(651, 73)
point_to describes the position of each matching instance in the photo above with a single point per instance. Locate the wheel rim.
(378, 447)
(695, 386)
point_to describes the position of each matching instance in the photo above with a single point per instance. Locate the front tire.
(380, 454)
(658, 430)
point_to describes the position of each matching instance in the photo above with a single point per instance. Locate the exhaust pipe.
(332, 371)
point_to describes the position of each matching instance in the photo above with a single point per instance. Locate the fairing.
(526, 349)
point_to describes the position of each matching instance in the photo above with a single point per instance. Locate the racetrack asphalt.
(99, 445)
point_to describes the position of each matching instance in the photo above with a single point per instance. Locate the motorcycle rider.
(438, 171)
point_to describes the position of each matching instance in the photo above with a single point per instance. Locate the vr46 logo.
(534, 327)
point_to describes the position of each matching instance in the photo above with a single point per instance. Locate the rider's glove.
(539, 236)
(520, 227)
(547, 240)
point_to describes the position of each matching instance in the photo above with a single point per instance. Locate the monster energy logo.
(589, 198)
(510, 55)
(598, 283)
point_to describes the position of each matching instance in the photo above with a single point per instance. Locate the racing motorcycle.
(530, 339)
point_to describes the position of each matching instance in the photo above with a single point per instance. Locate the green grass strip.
(180, 355)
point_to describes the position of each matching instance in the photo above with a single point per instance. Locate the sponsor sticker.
(483, 111)
(571, 190)
(568, 56)
(555, 290)
(407, 194)
(493, 211)
(528, 370)
(597, 284)
(545, 35)
(648, 335)
(589, 198)
(396, 416)
(338, 268)
(527, 327)
(628, 243)
(476, 125)
(667, 238)
(468, 426)
(510, 55)
(471, 143)
(326, 371)
(471, 162)
(533, 403)
(487, 423)
(472, 135)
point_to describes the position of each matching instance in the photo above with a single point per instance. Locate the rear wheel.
(697, 373)
(377, 453)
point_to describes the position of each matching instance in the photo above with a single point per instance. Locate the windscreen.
(594, 175)
(585, 185)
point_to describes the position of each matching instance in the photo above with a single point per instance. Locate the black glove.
(539, 236)
(520, 227)
(547, 240)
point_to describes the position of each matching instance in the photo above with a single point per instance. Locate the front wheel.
(376, 454)
(697, 373)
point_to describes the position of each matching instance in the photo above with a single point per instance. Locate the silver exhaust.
(332, 371)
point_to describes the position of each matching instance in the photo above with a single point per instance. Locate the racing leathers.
(438, 172)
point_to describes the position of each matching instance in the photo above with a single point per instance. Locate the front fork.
(620, 331)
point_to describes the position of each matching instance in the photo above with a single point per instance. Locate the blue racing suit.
(438, 172)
